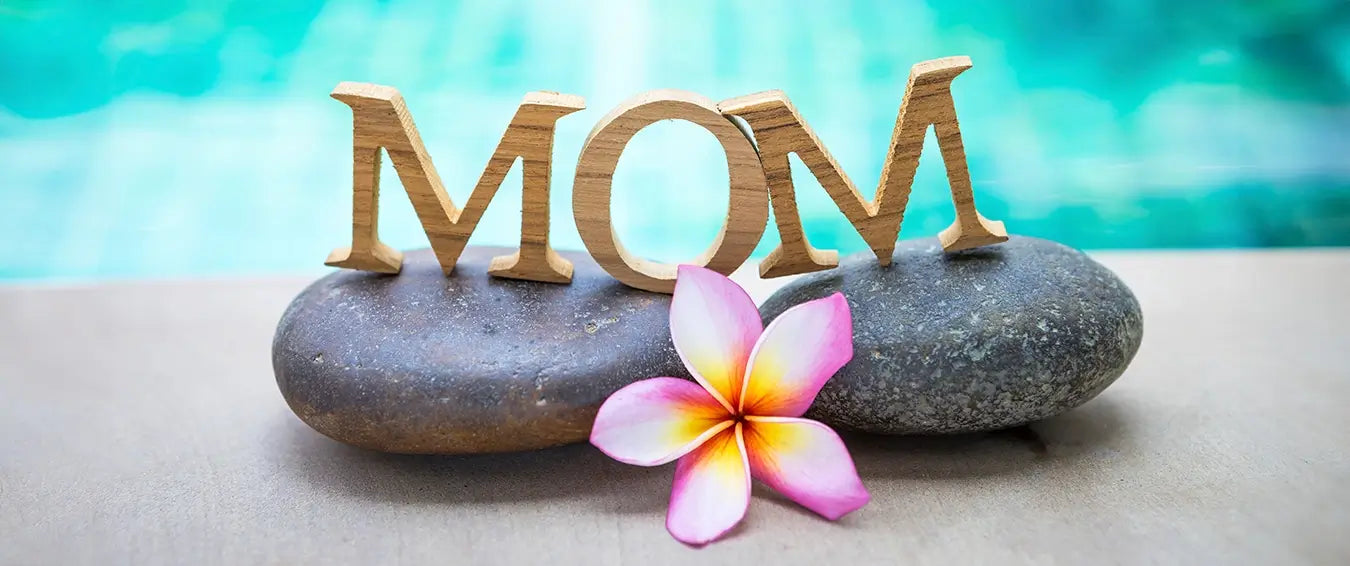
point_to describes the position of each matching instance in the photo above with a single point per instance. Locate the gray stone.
(979, 340)
(423, 363)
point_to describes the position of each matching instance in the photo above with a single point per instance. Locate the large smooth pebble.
(423, 363)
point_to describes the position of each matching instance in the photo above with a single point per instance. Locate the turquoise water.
(197, 138)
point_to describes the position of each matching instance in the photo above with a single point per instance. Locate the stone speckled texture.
(979, 340)
(424, 363)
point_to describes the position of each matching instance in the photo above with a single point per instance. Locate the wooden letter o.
(747, 209)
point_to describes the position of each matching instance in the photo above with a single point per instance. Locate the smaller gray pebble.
(984, 339)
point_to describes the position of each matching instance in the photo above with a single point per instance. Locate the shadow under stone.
(1061, 440)
(580, 471)
(569, 472)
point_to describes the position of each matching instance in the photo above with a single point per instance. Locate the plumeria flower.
(742, 418)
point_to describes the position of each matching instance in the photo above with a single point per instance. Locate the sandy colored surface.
(139, 424)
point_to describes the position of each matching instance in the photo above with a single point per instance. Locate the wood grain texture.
(747, 210)
(380, 119)
(779, 129)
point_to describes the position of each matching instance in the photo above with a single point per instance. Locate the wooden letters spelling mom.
(758, 171)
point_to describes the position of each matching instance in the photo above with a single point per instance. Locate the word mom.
(758, 169)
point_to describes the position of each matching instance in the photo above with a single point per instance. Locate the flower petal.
(711, 491)
(797, 354)
(714, 325)
(657, 420)
(807, 462)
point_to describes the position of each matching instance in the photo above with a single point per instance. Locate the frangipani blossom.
(742, 419)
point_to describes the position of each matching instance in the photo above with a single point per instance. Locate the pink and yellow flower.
(742, 419)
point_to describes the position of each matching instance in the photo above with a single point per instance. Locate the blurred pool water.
(197, 138)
